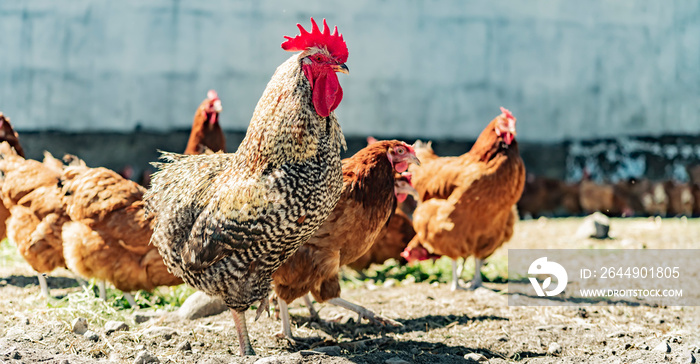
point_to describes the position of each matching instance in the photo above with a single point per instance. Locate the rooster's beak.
(342, 68)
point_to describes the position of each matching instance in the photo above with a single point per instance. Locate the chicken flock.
(283, 213)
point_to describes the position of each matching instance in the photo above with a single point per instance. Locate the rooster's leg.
(476, 281)
(243, 339)
(43, 285)
(103, 290)
(363, 312)
(312, 311)
(129, 298)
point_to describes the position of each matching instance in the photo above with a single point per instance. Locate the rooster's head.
(505, 126)
(322, 55)
(211, 107)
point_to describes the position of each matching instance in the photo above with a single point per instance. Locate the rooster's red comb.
(507, 113)
(334, 42)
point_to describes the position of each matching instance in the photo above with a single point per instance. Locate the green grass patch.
(9, 255)
(495, 270)
(168, 298)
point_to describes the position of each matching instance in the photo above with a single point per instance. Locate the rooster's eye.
(318, 58)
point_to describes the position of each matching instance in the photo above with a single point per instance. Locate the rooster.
(368, 199)
(395, 235)
(226, 222)
(467, 201)
(206, 134)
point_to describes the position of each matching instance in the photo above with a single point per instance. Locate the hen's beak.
(413, 159)
(342, 68)
(405, 188)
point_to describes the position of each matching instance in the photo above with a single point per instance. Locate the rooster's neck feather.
(285, 127)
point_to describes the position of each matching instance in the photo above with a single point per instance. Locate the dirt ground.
(439, 326)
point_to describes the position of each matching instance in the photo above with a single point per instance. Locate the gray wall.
(419, 68)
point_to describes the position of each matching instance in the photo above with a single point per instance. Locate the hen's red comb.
(507, 113)
(212, 95)
(334, 43)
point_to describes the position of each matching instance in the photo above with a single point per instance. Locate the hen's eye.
(400, 151)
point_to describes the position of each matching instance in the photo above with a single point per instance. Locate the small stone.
(199, 304)
(14, 354)
(618, 334)
(475, 357)
(270, 360)
(80, 325)
(166, 333)
(112, 326)
(184, 346)
(91, 335)
(596, 226)
(663, 347)
(145, 357)
(691, 359)
(64, 361)
(141, 317)
(396, 360)
(329, 350)
(554, 349)
(309, 353)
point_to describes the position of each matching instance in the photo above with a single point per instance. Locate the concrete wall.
(419, 68)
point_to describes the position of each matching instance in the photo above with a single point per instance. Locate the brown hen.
(366, 203)
(108, 235)
(206, 134)
(467, 201)
(31, 193)
(395, 235)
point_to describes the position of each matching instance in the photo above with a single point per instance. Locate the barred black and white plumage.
(226, 222)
